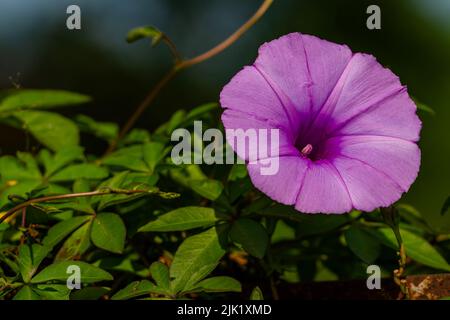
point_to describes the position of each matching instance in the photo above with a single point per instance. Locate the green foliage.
(251, 236)
(362, 244)
(256, 294)
(145, 32)
(196, 257)
(416, 247)
(182, 219)
(108, 232)
(140, 227)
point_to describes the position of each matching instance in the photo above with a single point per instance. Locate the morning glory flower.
(348, 128)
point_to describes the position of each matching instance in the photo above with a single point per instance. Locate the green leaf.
(30, 257)
(116, 182)
(14, 169)
(153, 153)
(63, 157)
(30, 99)
(130, 158)
(136, 289)
(193, 178)
(82, 204)
(160, 273)
(58, 272)
(145, 32)
(53, 291)
(62, 229)
(416, 248)
(238, 171)
(108, 232)
(30, 163)
(423, 107)
(251, 235)
(282, 232)
(136, 136)
(199, 111)
(26, 293)
(18, 176)
(195, 258)
(182, 219)
(50, 129)
(80, 171)
(207, 188)
(218, 284)
(413, 216)
(362, 244)
(77, 243)
(104, 130)
(256, 294)
(175, 121)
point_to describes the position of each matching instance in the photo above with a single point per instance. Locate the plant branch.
(173, 48)
(104, 192)
(391, 218)
(181, 64)
(230, 40)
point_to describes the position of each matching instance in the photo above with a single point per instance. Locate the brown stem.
(173, 48)
(183, 64)
(141, 108)
(24, 217)
(273, 288)
(25, 204)
(231, 39)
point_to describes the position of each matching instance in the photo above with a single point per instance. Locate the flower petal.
(249, 128)
(396, 158)
(285, 184)
(393, 117)
(323, 190)
(249, 93)
(368, 187)
(303, 69)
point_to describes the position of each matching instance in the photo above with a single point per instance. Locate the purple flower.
(348, 129)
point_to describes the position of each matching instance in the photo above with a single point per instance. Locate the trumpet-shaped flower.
(348, 128)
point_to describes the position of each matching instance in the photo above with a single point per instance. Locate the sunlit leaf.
(196, 257)
(108, 232)
(30, 257)
(50, 129)
(256, 294)
(26, 293)
(136, 289)
(145, 32)
(62, 229)
(160, 273)
(217, 284)
(182, 219)
(80, 171)
(20, 99)
(58, 272)
(76, 244)
(416, 248)
(104, 130)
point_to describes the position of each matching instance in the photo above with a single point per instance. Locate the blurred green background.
(37, 51)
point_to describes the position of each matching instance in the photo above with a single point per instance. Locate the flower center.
(307, 150)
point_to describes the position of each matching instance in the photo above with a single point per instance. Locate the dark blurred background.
(37, 51)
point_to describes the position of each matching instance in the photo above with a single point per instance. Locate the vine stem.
(30, 202)
(391, 218)
(181, 64)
